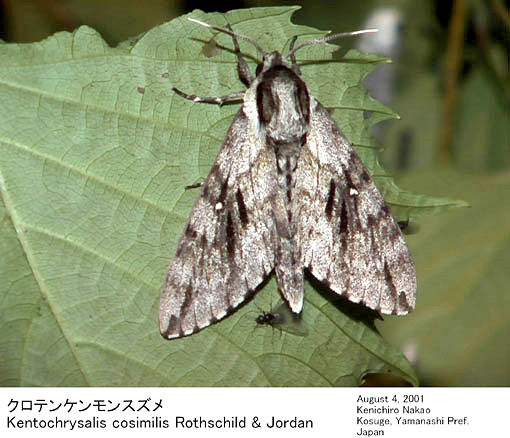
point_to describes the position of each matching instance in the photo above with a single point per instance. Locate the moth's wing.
(346, 235)
(228, 245)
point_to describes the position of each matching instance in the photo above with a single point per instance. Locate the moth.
(282, 318)
(287, 192)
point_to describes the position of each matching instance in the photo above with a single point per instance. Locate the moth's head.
(270, 60)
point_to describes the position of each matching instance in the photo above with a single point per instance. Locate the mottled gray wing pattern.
(347, 237)
(228, 245)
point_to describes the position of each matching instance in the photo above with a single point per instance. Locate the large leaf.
(95, 152)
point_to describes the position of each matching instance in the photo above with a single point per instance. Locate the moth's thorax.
(283, 103)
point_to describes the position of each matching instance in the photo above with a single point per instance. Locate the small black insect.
(282, 318)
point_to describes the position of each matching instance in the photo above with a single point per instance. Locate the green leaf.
(458, 334)
(95, 152)
(482, 140)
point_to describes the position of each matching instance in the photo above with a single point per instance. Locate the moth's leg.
(194, 186)
(295, 67)
(217, 100)
(242, 66)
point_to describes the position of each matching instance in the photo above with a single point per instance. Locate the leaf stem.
(453, 62)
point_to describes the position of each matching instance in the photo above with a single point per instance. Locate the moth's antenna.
(232, 34)
(327, 39)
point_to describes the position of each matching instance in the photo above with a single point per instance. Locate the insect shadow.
(355, 311)
(220, 48)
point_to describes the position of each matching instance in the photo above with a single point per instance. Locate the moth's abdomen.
(289, 273)
(288, 267)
